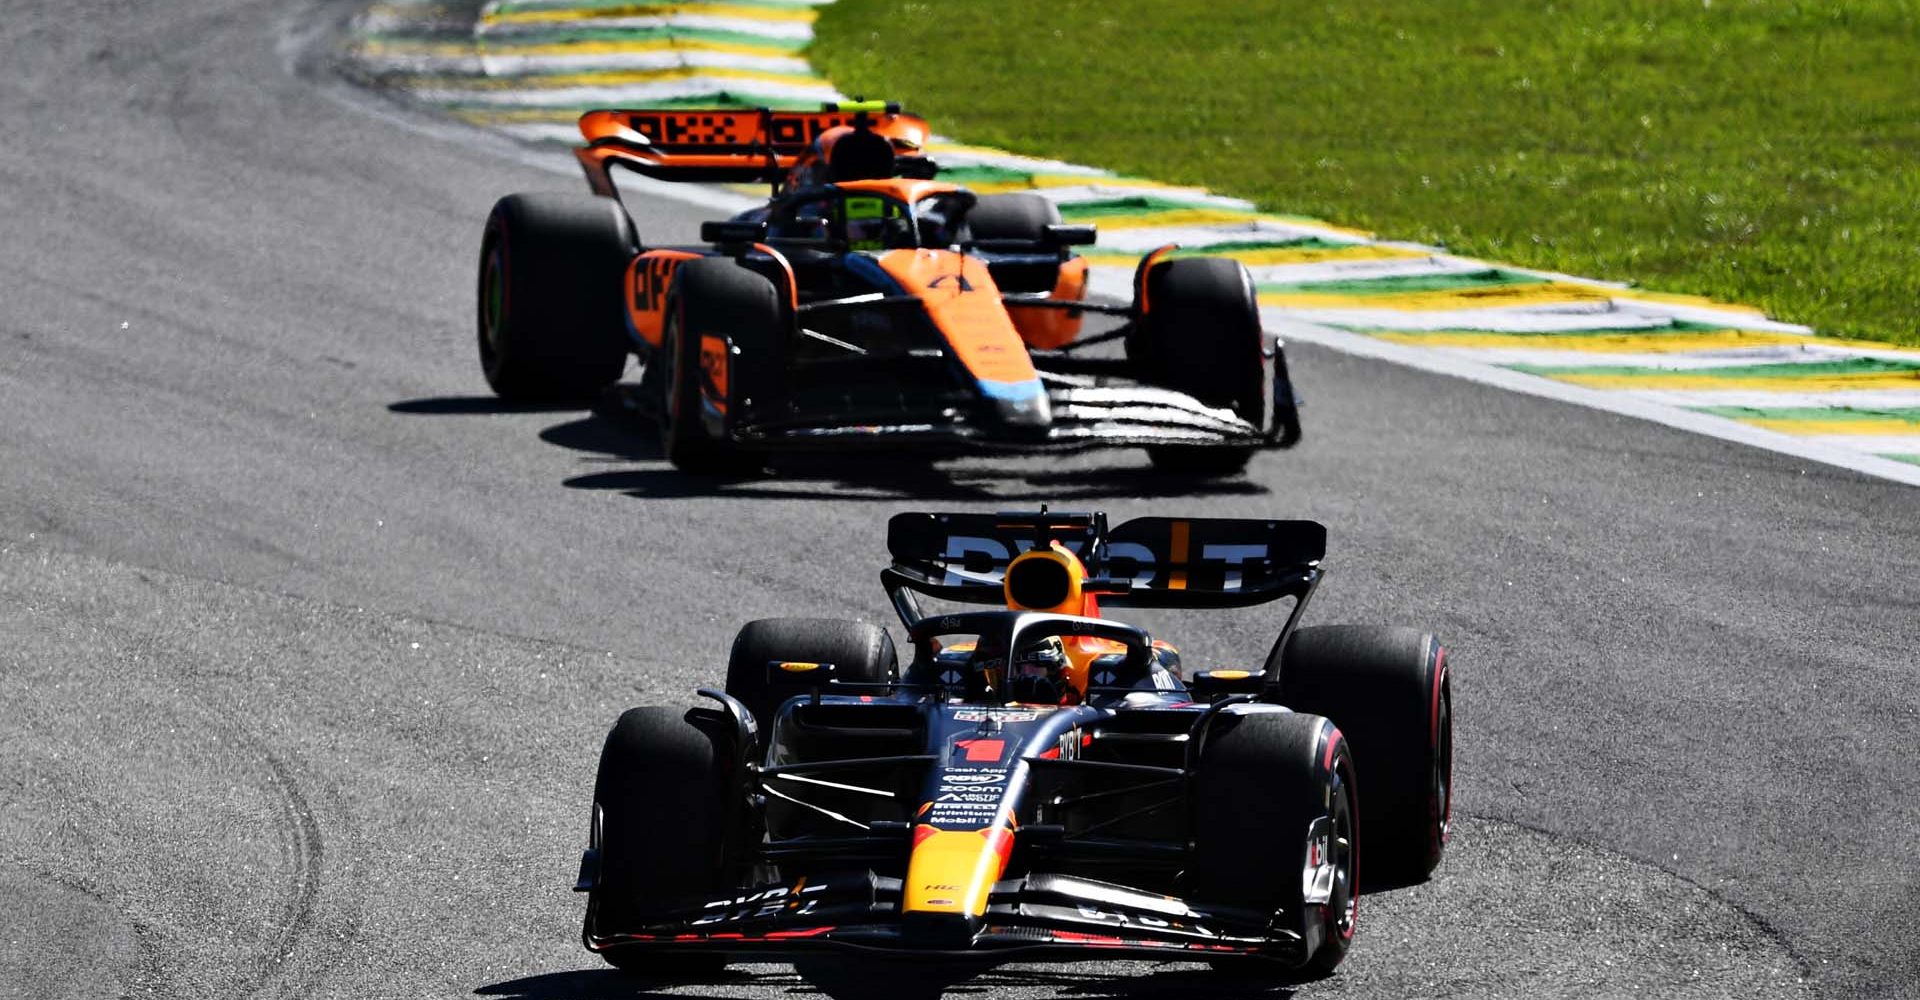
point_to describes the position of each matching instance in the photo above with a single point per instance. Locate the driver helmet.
(1040, 674)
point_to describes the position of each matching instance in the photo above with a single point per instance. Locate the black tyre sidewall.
(718, 297)
(1201, 335)
(861, 652)
(1263, 780)
(662, 792)
(560, 331)
(1389, 691)
(1016, 215)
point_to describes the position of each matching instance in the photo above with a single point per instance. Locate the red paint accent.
(983, 751)
(809, 932)
(1106, 939)
(726, 937)
(1000, 841)
(921, 833)
(1052, 753)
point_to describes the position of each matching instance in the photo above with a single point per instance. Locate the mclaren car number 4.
(866, 303)
(1039, 779)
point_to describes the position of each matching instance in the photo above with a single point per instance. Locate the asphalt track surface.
(307, 646)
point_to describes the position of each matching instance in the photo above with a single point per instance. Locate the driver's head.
(1042, 674)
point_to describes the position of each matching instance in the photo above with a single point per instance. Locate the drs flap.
(1157, 561)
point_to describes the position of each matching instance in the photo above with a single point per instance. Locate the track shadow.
(466, 406)
(612, 431)
(612, 434)
(840, 978)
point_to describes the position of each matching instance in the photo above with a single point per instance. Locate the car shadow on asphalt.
(467, 406)
(840, 978)
(613, 433)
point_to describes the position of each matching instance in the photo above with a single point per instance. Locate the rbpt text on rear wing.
(1148, 562)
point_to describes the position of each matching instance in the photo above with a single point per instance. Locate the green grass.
(1759, 152)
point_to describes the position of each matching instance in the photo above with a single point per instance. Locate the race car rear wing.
(723, 144)
(1148, 562)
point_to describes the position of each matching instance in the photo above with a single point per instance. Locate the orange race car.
(866, 303)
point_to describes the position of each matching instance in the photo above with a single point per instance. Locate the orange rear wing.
(739, 145)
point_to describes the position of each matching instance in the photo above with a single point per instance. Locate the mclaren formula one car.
(866, 303)
(1038, 780)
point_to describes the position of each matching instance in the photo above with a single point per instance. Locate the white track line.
(1823, 450)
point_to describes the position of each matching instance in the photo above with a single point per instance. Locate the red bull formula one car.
(1038, 780)
(865, 304)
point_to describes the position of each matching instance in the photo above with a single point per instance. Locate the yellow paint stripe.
(1543, 293)
(1281, 255)
(561, 15)
(1174, 217)
(580, 48)
(1609, 343)
(1685, 380)
(1077, 180)
(1669, 298)
(617, 78)
(1836, 427)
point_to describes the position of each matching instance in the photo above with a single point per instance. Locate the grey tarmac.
(307, 646)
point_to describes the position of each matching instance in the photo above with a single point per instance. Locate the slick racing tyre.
(1018, 216)
(715, 307)
(861, 653)
(551, 324)
(660, 826)
(1012, 220)
(1275, 813)
(1389, 691)
(1201, 336)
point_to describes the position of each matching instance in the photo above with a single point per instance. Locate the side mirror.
(1069, 236)
(917, 168)
(719, 233)
(795, 672)
(1207, 685)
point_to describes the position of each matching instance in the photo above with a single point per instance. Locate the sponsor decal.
(966, 796)
(1129, 560)
(765, 903)
(974, 778)
(1145, 920)
(982, 751)
(999, 714)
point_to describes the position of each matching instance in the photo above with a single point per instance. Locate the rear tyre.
(716, 302)
(860, 652)
(1388, 689)
(550, 317)
(1017, 216)
(661, 826)
(1201, 336)
(1274, 807)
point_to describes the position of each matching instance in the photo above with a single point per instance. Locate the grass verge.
(1756, 151)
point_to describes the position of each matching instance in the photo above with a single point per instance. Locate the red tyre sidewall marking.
(1445, 809)
(1334, 738)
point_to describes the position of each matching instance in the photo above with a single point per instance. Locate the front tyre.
(661, 826)
(715, 308)
(1201, 335)
(550, 310)
(1275, 821)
